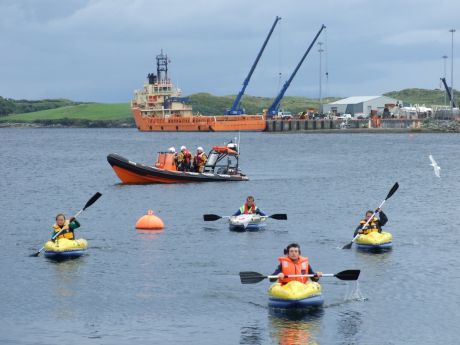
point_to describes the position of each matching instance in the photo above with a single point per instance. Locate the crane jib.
(273, 110)
(235, 109)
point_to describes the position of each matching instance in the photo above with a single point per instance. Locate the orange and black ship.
(159, 107)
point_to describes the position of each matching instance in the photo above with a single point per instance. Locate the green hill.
(207, 104)
(10, 106)
(90, 111)
(422, 96)
(81, 115)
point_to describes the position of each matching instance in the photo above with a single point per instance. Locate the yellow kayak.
(295, 295)
(375, 241)
(65, 248)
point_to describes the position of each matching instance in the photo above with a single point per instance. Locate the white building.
(361, 105)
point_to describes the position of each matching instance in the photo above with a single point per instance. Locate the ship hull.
(219, 123)
(135, 173)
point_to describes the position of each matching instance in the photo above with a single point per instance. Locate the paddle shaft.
(302, 275)
(213, 217)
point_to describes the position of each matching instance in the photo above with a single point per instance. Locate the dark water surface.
(181, 286)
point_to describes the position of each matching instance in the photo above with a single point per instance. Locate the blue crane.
(448, 92)
(236, 108)
(273, 110)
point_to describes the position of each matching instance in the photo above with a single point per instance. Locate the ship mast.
(162, 66)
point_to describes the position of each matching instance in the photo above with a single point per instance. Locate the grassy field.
(92, 111)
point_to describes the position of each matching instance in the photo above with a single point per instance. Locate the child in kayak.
(374, 225)
(294, 264)
(249, 208)
(66, 226)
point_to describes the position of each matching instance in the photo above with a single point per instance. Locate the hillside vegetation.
(207, 104)
(68, 113)
(10, 106)
(422, 96)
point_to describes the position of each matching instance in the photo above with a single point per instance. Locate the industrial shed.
(360, 105)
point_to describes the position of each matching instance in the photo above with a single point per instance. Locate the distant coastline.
(63, 113)
(432, 126)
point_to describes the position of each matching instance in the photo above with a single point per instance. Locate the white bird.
(435, 166)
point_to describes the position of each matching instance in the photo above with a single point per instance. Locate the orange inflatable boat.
(217, 169)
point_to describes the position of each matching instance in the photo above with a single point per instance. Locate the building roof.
(355, 99)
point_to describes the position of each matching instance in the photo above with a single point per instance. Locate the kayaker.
(249, 208)
(68, 227)
(199, 160)
(294, 264)
(374, 225)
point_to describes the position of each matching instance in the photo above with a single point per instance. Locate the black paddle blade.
(251, 277)
(348, 245)
(92, 200)
(34, 254)
(279, 216)
(392, 190)
(211, 217)
(348, 275)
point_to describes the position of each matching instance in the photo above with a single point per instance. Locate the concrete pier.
(297, 125)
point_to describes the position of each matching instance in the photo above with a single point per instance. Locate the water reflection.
(295, 328)
(65, 286)
(149, 234)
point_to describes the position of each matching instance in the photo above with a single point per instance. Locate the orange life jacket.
(68, 235)
(199, 161)
(288, 267)
(187, 155)
(200, 158)
(248, 210)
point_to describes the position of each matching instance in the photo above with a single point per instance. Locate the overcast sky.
(101, 50)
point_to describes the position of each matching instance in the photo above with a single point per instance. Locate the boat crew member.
(374, 225)
(68, 227)
(294, 264)
(199, 160)
(172, 149)
(184, 159)
(249, 208)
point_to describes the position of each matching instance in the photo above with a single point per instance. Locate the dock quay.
(363, 125)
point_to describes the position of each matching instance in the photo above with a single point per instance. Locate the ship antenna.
(239, 140)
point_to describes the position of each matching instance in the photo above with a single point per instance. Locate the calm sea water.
(181, 286)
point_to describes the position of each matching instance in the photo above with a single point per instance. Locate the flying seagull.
(435, 166)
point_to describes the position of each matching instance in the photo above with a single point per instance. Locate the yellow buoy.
(149, 222)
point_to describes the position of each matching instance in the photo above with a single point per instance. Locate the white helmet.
(199, 148)
(172, 149)
(183, 148)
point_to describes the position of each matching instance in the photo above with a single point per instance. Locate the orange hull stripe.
(129, 177)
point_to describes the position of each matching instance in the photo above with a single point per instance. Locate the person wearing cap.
(294, 264)
(375, 224)
(172, 149)
(199, 161)
(249, 207)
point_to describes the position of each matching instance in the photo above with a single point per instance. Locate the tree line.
(9, 106)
